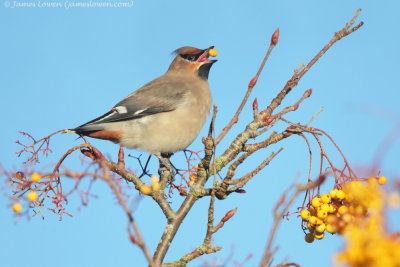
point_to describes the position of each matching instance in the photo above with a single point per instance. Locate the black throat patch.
(204, 70)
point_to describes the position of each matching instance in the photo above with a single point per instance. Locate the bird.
(165, 115)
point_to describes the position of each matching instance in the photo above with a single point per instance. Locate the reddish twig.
(280, 210)
(31, 149)
(252, 83)
(298, 75)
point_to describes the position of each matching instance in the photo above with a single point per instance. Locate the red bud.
(97, 153)
(182, 192)
(121, 156)
(87, 153)
(295, 107)
(132, 238)
(229, 215)
(275, 37)
(290, 127)
(240, 191)
(255, 104)
(269, 120)
(253, 82)
(308, 93)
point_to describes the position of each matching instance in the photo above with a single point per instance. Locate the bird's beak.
(203, 58)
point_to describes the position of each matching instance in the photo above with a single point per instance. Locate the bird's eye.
(189, 57)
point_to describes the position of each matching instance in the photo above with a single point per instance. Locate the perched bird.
(166, 114)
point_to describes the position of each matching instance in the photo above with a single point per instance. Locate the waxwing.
(166, 114)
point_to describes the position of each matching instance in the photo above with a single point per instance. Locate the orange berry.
(325, 198)
(331, 219)
(305, 214)
(313, 220)
(340, 194)
(360, 210)
(322, 214)
(155, 187)
(319, 236)
(333, 192)
(316, 202)
(350, 197)
(320, 228)
(154, 180)
(347, 218)
(145, 189)
(32, 196)
(35, 177)
(331, 228)
(213, 52)
(382, 180)
(17, 207)
(192, 177)
(190, 183)
(332, 208)
(324, 207)
(342, 210)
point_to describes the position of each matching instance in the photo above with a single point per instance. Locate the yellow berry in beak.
(213, 52)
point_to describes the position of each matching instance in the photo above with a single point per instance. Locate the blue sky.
(61, 67)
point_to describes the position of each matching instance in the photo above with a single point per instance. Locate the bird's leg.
(144, 169)
(166, 163)
(168, 156)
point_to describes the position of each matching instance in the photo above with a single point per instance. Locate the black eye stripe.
(191, 57)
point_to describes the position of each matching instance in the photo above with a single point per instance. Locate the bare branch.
(297, 76)
(284, 207)
(247, 177)
(235, 118)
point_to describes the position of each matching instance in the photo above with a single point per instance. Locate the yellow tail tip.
(69, 131)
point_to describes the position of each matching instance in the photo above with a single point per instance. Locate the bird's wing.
(158, 96)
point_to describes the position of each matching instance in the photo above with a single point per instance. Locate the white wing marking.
(121, 109)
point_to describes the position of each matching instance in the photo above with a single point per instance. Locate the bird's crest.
(187, 50)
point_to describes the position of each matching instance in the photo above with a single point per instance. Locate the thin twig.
(268, 252)
(250, 87)
(140, 241)
(247, 177)
(298, 75)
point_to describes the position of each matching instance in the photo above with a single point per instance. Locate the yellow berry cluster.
(333, 211)
(147, 190)
(369, 242)
(31, 196)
